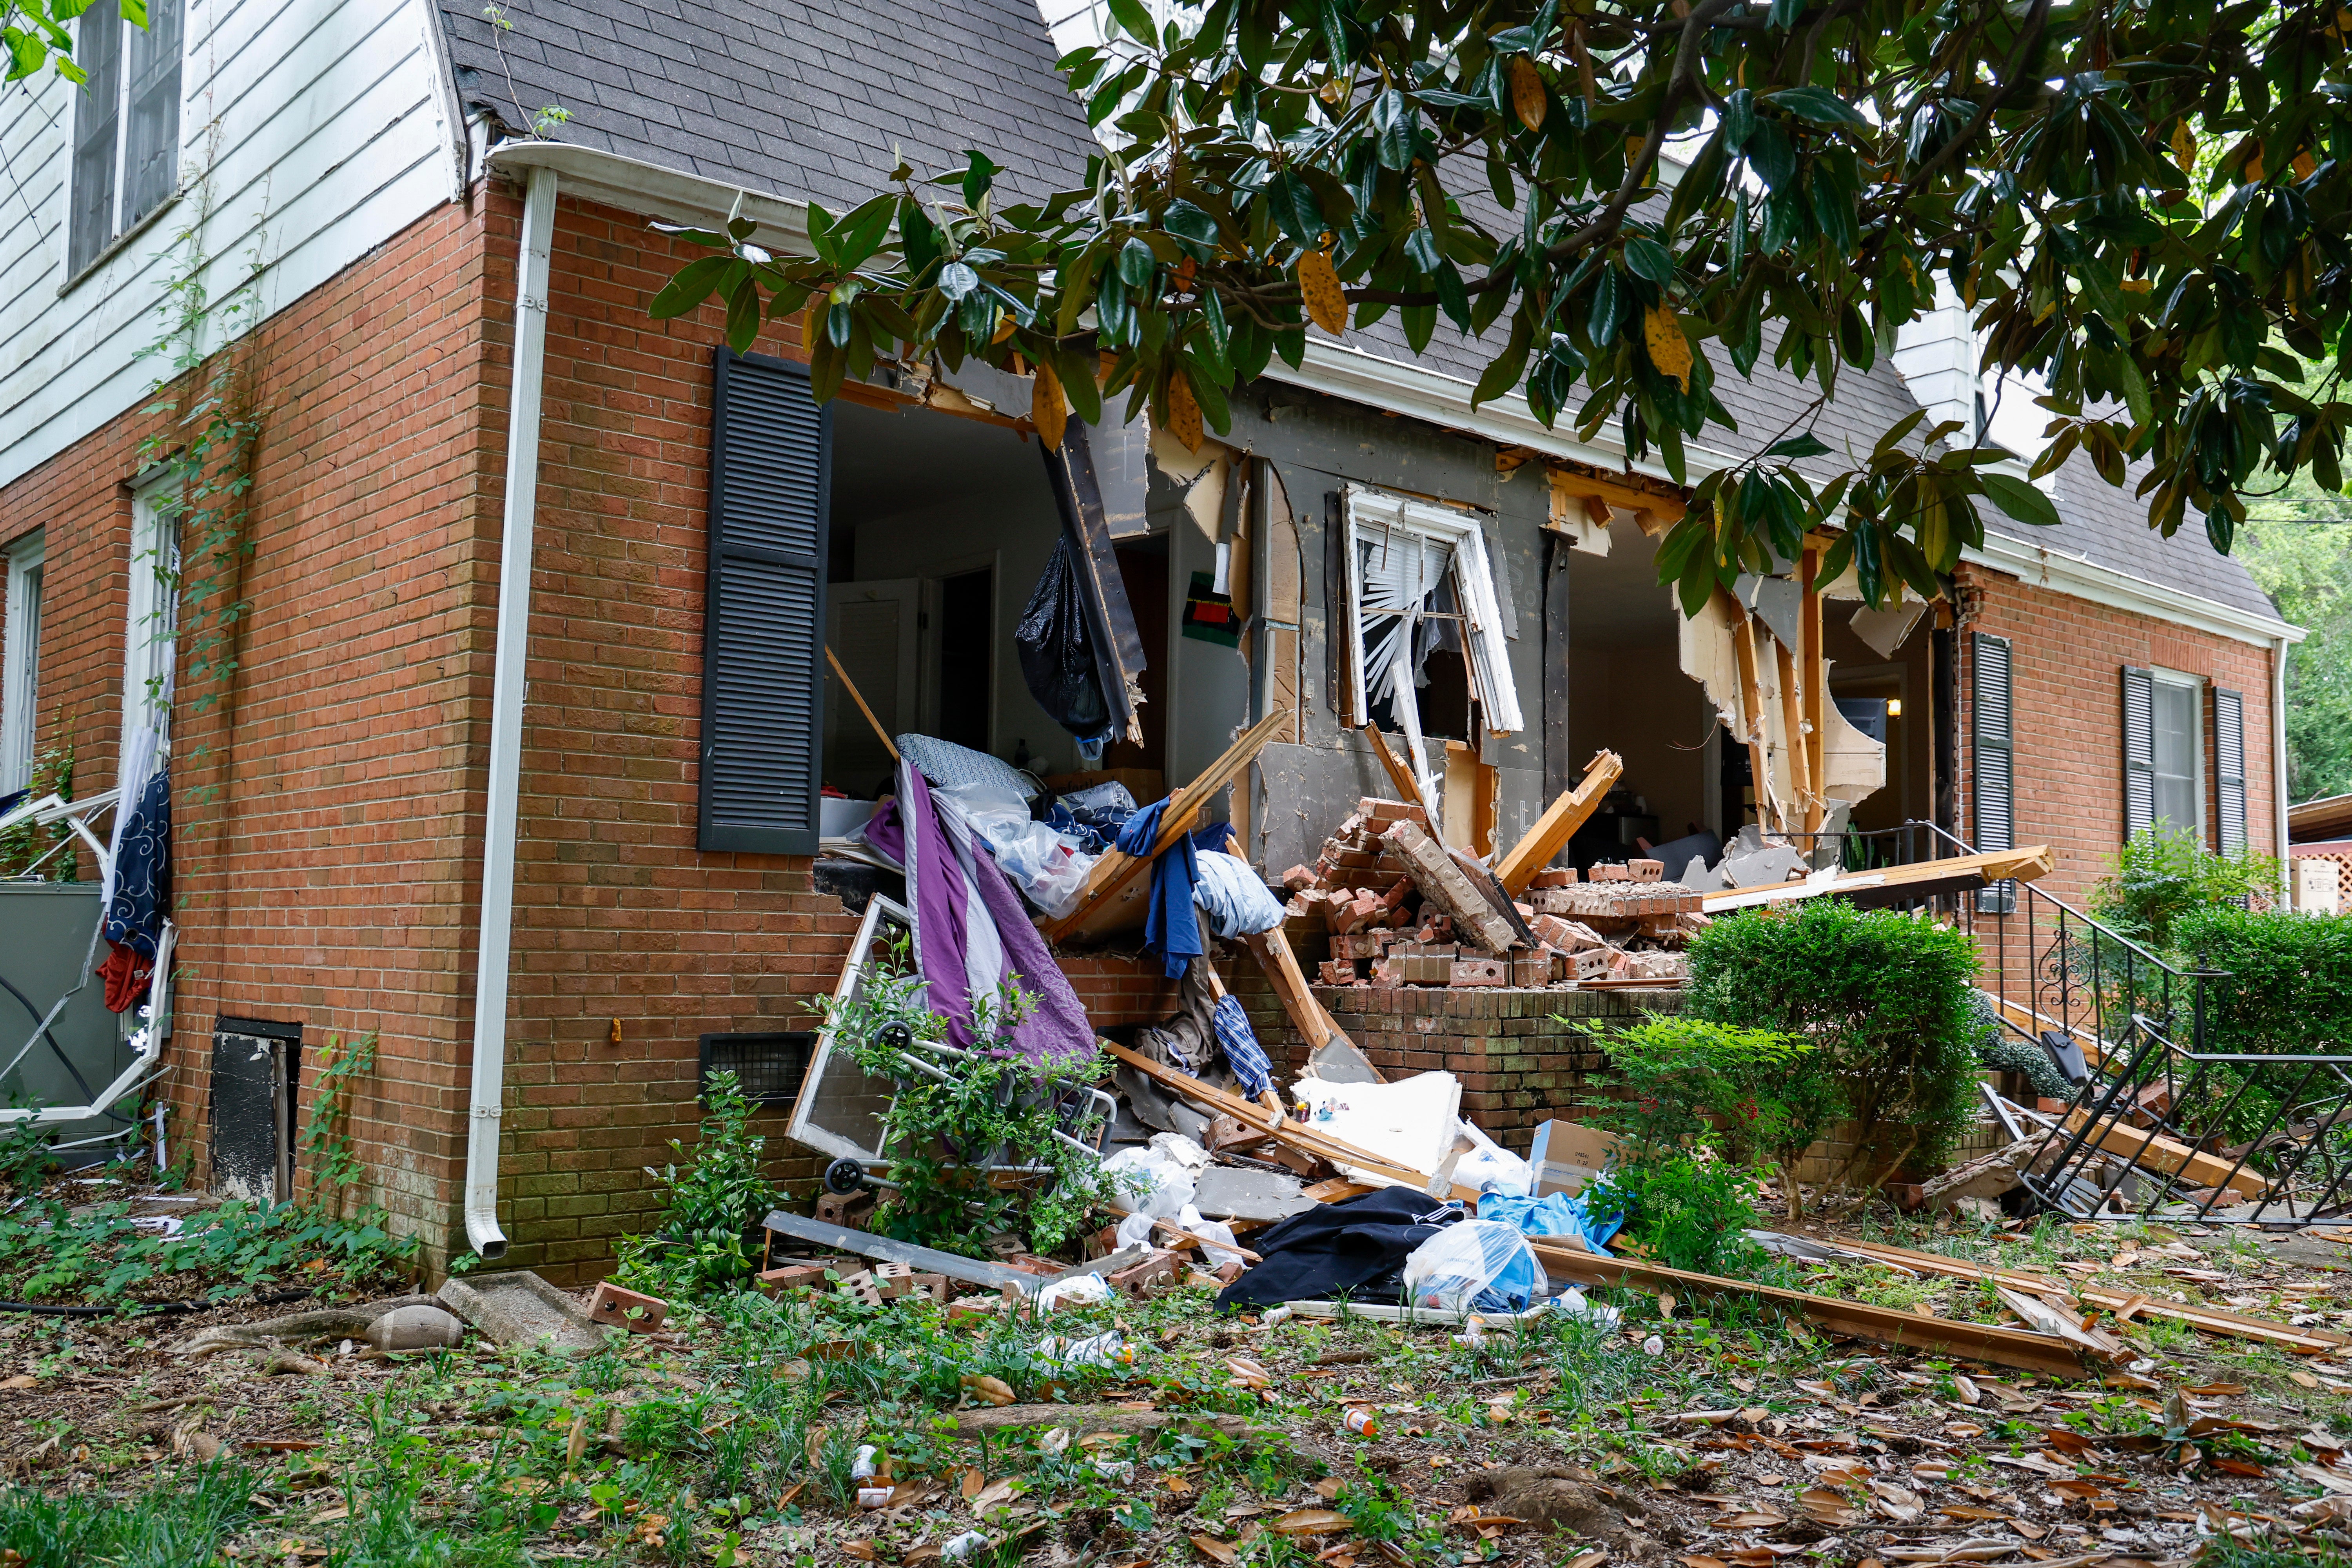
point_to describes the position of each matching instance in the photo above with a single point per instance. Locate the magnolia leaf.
(2019, 500)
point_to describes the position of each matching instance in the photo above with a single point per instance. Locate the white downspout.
(2278, 762)
(482, 1230)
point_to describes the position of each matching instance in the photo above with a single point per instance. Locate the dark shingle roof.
(809, 99)
(806, 99)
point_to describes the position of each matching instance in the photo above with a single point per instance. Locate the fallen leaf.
(1898, 1503)
(973, 1480)
(1311, 1522)
(991, 1496)
(1967, 1387)
(19, 1381)
(863, 1551)
(1592, 1559)
(989, 1390)
(1178, 1485)
(1214, 1550)
(1750, 1520)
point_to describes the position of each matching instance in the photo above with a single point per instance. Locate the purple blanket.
(972, 931)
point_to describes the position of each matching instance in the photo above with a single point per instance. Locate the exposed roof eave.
(1339, 370)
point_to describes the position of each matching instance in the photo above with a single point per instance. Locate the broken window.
(1418, 588)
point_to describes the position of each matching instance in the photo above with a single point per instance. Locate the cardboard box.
(1568, 1154)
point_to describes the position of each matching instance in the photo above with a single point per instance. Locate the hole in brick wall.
(768, 1067)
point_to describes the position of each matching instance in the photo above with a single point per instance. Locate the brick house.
(485, 782)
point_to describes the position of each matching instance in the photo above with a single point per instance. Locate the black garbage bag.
(1058, 650)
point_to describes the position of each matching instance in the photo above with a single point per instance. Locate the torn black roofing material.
(817, 99)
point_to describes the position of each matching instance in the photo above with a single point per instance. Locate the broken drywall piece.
(519, 1308)
(1887, 630)
(1337, 1060)
(1200, 477)
(1232, 1191)
(1778, 603)
(1409, 1123)
(1853, 766)
(1749, 862)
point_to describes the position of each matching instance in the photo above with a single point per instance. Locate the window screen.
(2174, 756)
(126, 147)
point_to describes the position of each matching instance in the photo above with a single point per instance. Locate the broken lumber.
(1559, 824)
(1408, 787)
(1898, 884)
(1281, 1128)
(2154, 1151)
(1987, 1176)
(1443, 883)
(929, 1260)
(1883, 1325)
(2211, 1320)
(1271, 950)
(1112, 880)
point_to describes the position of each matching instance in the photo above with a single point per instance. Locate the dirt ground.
(1692, 1432)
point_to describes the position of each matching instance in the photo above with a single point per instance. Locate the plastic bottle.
(861, 1466)
(1359, 1421)
(1108, 1349)
(873, 1497)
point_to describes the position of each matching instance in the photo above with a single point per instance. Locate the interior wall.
(924, 494)
(1858, 668)
(1627, 692)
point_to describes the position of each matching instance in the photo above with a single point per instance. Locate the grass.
(184, 1521)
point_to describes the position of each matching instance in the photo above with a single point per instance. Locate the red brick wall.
(2066, 656)
(324, 819)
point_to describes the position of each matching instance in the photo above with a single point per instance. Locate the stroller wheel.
(845, 1176)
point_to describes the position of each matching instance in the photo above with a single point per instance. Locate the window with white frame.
(126, 142)
(20, 663)
(151, 630)
(1415, 575)
(2179, 751)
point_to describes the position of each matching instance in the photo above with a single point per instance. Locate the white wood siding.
(324, 130)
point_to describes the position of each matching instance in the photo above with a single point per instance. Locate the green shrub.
(1887, 998)
(994, 1105)
(2159, 876)
(2287, 980)
(714, 1203)
(1696, 1106)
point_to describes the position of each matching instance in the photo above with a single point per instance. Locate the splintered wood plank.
(1885, 1325)
(1115, 876)
(1559, 824)
(2159, 1153)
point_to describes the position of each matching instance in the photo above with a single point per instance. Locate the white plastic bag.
(1453, 1269)
(1150, 1181)
(1491, 1168)
(1077, 1290)
(1210, 1230)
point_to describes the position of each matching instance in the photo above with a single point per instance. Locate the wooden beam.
(1281, 1128)
(1282, 971)
(1751, 707)
(1116, 872)
(1792, 721)
(1815, 664)
(2212, 1319)
(1918, 879)
(2027, 1352)
(1408, 787)
(1559, 824)
(2158, 1153)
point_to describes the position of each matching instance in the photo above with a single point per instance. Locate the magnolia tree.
(2141, 202)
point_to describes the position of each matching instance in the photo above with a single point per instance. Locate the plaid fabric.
(1243, 1053)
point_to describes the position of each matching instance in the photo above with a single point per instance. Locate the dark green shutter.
(1992, 786)
(763, 637)
(2230, 769)
(2139, 751)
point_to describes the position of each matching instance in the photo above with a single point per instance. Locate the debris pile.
(1399, 907)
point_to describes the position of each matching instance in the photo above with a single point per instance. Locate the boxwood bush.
(2287, 985)
(1887, 999)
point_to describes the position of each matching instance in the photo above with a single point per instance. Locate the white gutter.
(2278, 763)
(2078, 578)
(482, 1230)
(634, 185)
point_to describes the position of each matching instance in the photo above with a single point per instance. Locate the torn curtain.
(971, 934)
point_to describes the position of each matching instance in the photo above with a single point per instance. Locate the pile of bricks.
(1403, 911)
